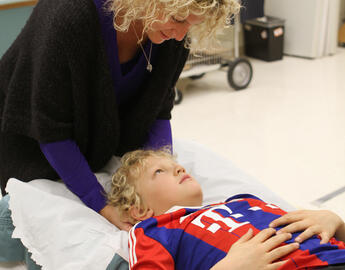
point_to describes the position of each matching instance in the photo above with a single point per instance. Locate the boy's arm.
(147, 253)
(324, 223)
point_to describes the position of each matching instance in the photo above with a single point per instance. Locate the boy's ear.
(140, 214)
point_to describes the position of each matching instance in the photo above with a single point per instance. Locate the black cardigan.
(55, 84)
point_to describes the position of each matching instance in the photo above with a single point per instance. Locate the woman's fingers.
(264, 235)
(248, 235)
(309, 232)
(276, 240)
(295, 227)
(309, 223)
(306, 230)
(325, 237)
(287, 218)
(282, 251)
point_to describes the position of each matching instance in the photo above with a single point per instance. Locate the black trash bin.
(264, 38)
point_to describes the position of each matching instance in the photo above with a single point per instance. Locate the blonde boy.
(150, 184)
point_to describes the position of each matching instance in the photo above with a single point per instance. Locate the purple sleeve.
(160, 135)
(70, 164)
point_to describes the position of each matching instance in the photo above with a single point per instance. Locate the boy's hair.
(217, 14)
(123, 192)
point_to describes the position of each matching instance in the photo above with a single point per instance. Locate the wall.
(342, 12)
(12, 20)
(311, 30)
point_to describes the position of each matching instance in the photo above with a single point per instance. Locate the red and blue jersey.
(197, 238)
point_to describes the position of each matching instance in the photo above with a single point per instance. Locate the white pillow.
(219, 177)
(59, 231)
(62, 233)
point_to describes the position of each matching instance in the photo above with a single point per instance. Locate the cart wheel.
(199, 76)
(240, 73)
(178, 96)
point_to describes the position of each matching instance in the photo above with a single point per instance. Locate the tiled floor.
(287, 129)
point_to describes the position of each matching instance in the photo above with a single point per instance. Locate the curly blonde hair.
(217, 14)
(123, 192)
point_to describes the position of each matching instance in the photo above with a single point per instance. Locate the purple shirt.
(65, 156)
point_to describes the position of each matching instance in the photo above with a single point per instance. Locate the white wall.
(342, 12)
(311, 26)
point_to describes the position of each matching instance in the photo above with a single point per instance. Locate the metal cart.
(240, 71)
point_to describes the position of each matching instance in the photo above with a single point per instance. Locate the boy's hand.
(112, 215)
(311, 222)
(257, 253)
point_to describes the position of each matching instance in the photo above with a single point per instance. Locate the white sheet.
(62, 233)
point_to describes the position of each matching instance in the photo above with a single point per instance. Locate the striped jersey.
(197, 238)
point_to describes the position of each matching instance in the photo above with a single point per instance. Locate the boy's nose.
(179, 170)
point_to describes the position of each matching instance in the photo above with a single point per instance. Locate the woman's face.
(175, 28)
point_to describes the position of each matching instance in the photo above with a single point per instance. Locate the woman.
(86, 80)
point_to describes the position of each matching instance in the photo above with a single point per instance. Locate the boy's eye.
(158, 171)
(177, 19)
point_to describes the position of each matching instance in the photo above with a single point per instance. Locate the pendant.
(149, 67)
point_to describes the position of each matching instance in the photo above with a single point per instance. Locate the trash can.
(264, 38)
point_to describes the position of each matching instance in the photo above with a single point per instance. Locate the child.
(150, 184)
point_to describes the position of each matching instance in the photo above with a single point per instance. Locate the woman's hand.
(112, 215)
(257, 253)
(310, 222)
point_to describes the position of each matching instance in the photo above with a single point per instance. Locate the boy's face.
(164, 184)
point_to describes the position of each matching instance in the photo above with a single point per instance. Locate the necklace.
(149, 66)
